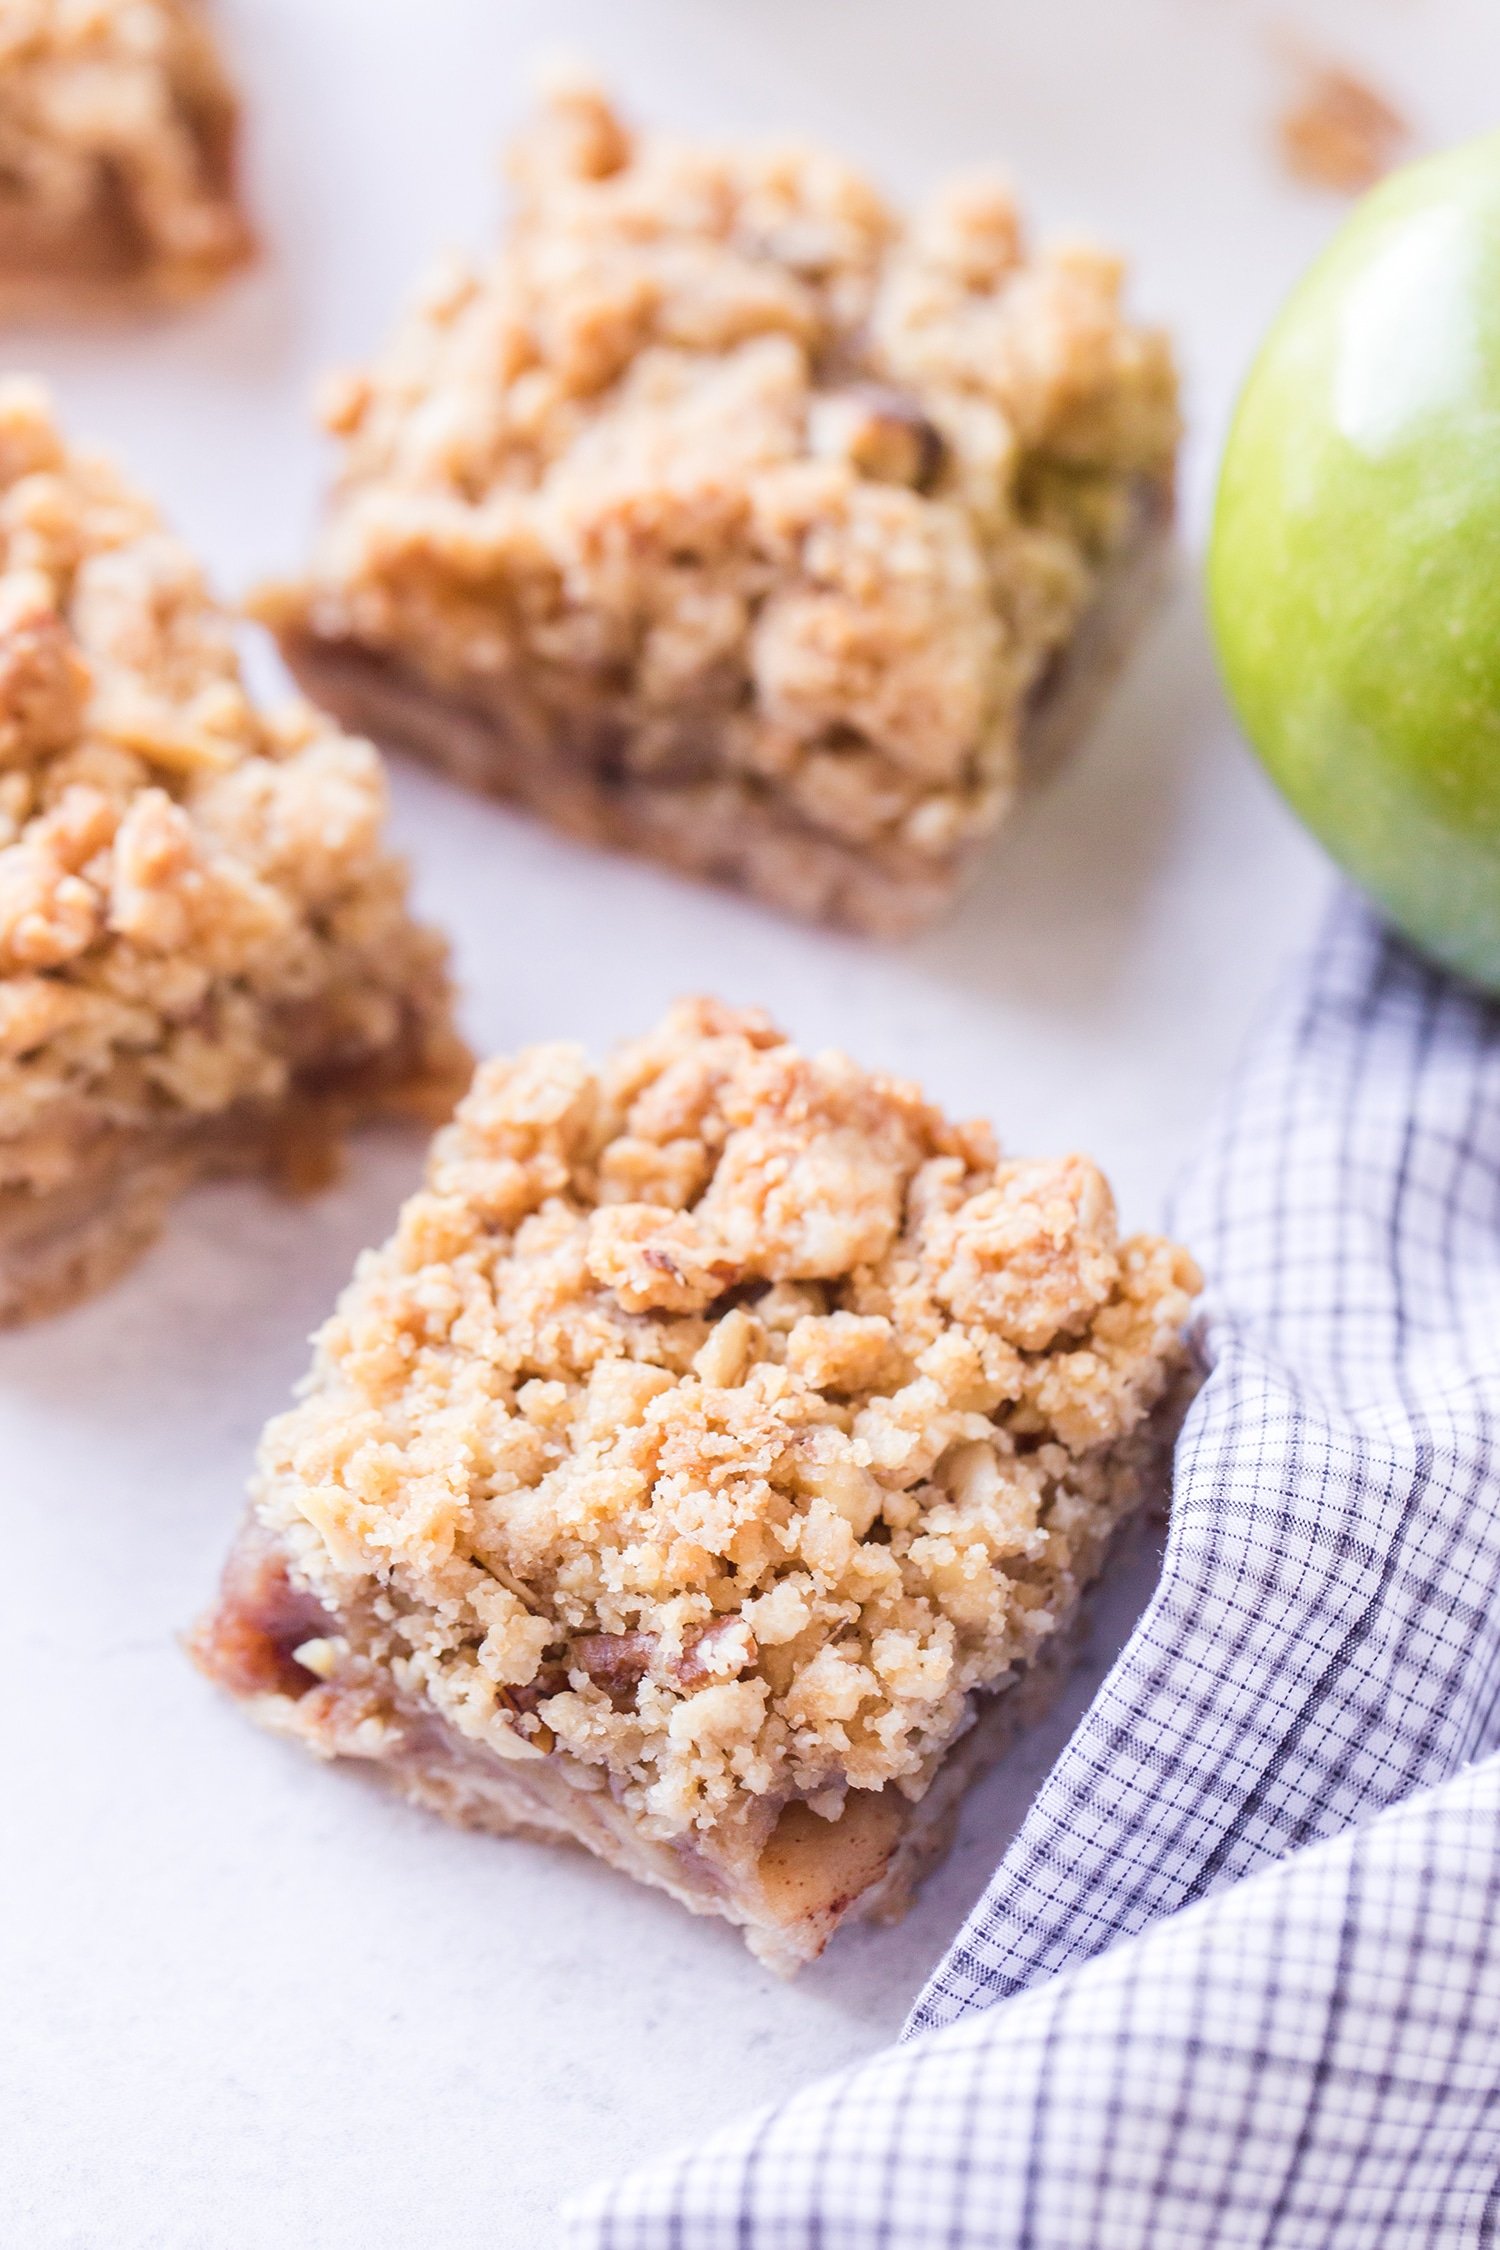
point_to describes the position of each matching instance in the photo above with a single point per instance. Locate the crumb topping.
(722, 1416)
(123, 99)
(195, 899)
(719, 448)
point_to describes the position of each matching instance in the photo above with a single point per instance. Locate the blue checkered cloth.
(1237, 1980)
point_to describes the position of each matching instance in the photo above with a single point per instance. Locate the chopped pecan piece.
(552, 1679)
(884, 434)
(616, 1662)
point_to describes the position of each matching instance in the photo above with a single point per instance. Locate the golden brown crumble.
(716, 1420)
(725, 485)
(117, 129)
(198, 913)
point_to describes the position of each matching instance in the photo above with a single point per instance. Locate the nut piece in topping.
(882, 433)
(728, 517)
(734, 1568)
(206, 958)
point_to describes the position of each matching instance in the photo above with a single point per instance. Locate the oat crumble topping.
(725, 481)
(716, 1419)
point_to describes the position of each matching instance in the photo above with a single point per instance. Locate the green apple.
(1354, 573)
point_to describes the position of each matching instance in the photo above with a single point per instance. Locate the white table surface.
(246, 2002)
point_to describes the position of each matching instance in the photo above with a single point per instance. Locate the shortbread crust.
(207, 962)
(118, 130)
(727, 518)
(708, 1470)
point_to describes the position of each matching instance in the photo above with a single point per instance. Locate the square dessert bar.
(117, 154)
(206, 957)
(708, 1470)
(726, 518)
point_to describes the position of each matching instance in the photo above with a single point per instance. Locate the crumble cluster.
(128, 93)
(720, 1417)
(194, 898)
(721, 462)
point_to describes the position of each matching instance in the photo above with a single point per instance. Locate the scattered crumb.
(1338, 132)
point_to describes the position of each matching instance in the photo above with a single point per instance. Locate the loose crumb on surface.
(1338, 131)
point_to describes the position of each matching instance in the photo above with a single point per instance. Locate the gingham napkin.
(1237, 1981)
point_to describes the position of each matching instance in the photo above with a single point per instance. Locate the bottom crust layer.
(568, 769)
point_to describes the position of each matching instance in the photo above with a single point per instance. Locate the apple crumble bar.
(707, 1470)
(728, 519)
(206, 957)
(117, 153)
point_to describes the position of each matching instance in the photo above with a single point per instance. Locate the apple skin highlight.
(1354, 566)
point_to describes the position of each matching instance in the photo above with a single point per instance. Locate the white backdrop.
(246, 2002)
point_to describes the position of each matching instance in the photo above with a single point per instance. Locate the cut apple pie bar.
(206, 956)
(726, 518)
(707, 1471)
(117, 154)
